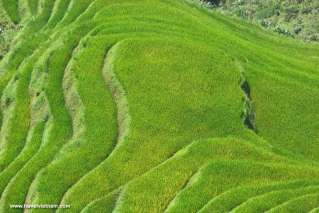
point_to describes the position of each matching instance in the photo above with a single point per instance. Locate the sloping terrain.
(294, 18)
(155, 106)
(7, 32)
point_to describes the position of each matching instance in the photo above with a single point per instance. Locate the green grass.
(230, 174)
(91, 137)
(137, 106)
(34, 5)
(12, 9)
(266, 201)
(104, 204)
(300, 204)
(231, 199)
(161, 184)
(26, 154)
(16, 117)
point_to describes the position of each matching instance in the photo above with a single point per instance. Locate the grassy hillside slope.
(155, 106)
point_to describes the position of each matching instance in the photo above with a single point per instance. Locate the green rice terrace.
(155, 106)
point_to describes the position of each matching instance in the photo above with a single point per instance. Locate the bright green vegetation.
(155, 106)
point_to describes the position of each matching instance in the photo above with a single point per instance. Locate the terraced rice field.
(155, 106)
